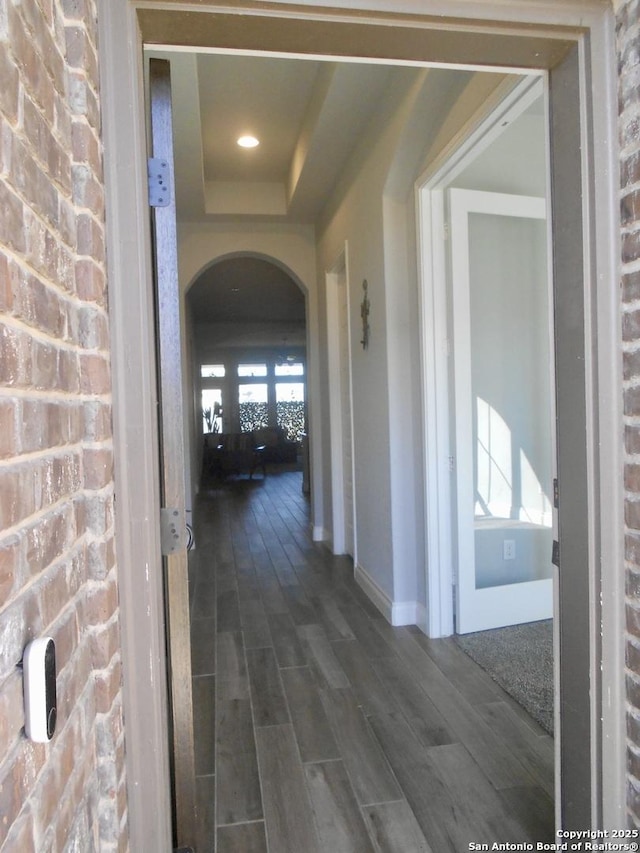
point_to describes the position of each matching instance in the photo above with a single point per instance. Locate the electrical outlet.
(509, 549)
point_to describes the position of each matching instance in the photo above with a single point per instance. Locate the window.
(290, 368)
(290, 408)
(212, 410)
(253, 406)
(252, 370)
(212, 371)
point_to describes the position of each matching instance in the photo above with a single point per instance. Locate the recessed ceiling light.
(248, 142)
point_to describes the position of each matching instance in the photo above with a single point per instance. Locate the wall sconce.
(364, 313)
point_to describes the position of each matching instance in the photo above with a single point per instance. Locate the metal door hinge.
(173, 530)
(159, 185)
(556, 494)
(555, 553)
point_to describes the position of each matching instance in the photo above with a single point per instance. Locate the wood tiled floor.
(319, 727)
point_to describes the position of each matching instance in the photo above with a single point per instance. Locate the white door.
(503, 405)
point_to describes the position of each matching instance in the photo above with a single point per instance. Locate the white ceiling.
(264, 97)
(308, 115)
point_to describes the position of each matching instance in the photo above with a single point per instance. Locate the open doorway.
(375, 470)
(223, 291)
(489, 217)
(246, 321)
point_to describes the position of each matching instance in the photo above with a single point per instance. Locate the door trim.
(337, 412)
(508, 101)
(547, 23)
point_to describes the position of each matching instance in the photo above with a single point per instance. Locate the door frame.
(474, 33)
(337, 413)
(507, 102)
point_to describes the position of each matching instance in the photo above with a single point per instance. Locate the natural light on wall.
(507, 486)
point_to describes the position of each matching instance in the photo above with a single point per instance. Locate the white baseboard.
(395, 612)
(404, 613)
(422, 617)
(319, 534)
(378, 596)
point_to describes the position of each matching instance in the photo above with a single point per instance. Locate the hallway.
(318, 727)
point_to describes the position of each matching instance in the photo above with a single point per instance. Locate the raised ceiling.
(264, 97)
(307, 114)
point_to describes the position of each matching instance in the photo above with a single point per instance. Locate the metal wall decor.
(364, 313)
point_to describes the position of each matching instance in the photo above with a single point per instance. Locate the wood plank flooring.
(320, 728)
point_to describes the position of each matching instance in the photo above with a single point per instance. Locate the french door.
(503, 409)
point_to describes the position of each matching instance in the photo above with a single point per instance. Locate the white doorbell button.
(39, 672)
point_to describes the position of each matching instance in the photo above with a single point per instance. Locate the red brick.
(34, 73)
(12, 232)
(632, 514)
(66, 635)
(105, 643)
(8, 428)
(632, 401)
(11, 711)
(632, 478)
(53, 593)
(73, 680)
(10, 568)
(631, 326)
(16, 496)
(100, 604)
(31, 182)
(19, 622)
(630, 246)
(86, 146)
(68, 225)
(631, 364)
(93, 331)
(90, 237)
(10, 87)
(108, 686)
(98, 467)
(97, 420)
(68, 378)
(80, 51)
(630, 207)
(44, 365)
(39, 306)
(94, 374)
(44, 425)
(22, 835)
(77, 10)
(87, 191)
(630, 169)
(36, 130)
(42, 251)
(58, 546)
(90, 282)
(41, 36)
(49, 539)
(6, 286)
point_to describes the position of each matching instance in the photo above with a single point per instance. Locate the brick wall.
(57, 564)
(628, 34)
